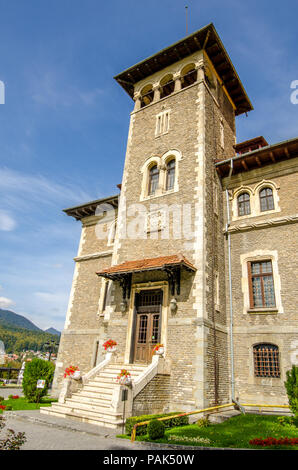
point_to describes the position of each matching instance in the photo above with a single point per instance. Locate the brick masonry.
(197, 335)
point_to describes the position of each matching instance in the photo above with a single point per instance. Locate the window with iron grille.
(261, 284)
(243, 204)
(266, 200)
(266, 360)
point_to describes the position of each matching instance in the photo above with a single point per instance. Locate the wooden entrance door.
(148, 324)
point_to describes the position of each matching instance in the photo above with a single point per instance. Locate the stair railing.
(89, 375)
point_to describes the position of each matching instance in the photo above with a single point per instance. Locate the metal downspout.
(230, 286)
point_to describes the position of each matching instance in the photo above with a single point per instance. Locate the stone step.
(128, 367)
(96, 408)
(99, 413)
(101, 387)
(88, 400)
(72, 415)
(104, 381)
(106, 394)
(113, 375)
(87, 394)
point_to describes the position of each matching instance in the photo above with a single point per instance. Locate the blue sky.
(64, 124)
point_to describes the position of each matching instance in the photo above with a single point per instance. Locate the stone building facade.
(196, 214)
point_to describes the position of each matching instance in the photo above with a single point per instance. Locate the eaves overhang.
(205, 38)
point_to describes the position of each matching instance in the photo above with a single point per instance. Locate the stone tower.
(162, 277)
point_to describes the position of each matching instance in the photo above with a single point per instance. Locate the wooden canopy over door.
(148, 324)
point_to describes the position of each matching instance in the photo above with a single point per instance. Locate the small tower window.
(153, 180)
(162, 123)
(188, 75)
(266, 200)
(167, 86)
(170, 174)
(147, 95)
(243, 204)
(266, 360)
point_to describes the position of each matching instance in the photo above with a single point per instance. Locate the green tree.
(37, 369)
(291, 385)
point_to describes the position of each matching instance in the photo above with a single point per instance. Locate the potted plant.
(110, 345)
(124, 378)
(73, 372)
(158, 349)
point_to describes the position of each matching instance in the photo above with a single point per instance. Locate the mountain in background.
(53, 331)
(11, 319)
(20, 334)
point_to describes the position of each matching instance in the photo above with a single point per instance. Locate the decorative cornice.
(244, 227)
(101, 254)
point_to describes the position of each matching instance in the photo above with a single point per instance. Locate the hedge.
(142, 430)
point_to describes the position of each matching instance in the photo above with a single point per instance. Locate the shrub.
(8, 408)
(1, 399)
(12, 441)
(142, 430)
(291, 385)
(156, 429)
(37, 369)
(288, 420)
(202, 422)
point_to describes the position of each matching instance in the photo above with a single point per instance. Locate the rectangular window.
(105, 295)
(261, 285)
(162, 123)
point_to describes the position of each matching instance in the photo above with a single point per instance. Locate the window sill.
(263, 311)
(165, 193)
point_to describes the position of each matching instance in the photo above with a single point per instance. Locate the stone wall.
(154, 398)
(279, 242)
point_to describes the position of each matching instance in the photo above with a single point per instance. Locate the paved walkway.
(6, 391)
(45, 432)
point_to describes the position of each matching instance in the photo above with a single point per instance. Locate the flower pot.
(76, 375)
(125, 380)
(111, 349)
(160, 351)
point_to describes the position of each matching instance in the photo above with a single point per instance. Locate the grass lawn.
(23, 404)
(235, 433)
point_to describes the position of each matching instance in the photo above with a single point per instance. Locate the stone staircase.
(93, 403)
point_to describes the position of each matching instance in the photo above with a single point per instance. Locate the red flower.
(109, 344)
(2, 407)
(70, 371)
(271, 441)
(15, 397)
(123, 373)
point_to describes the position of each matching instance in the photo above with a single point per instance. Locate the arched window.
(167, 86)
(266, 200)
(147, 95)
(170, 169)
(153, 180)
(188, 75)
(243, 202)
(266, 360)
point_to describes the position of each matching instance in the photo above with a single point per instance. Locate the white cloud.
(38, 188)
(7, 222)
(53, 89)
(50, 297)
(5, 302)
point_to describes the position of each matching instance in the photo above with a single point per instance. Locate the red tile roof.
(148, 264)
